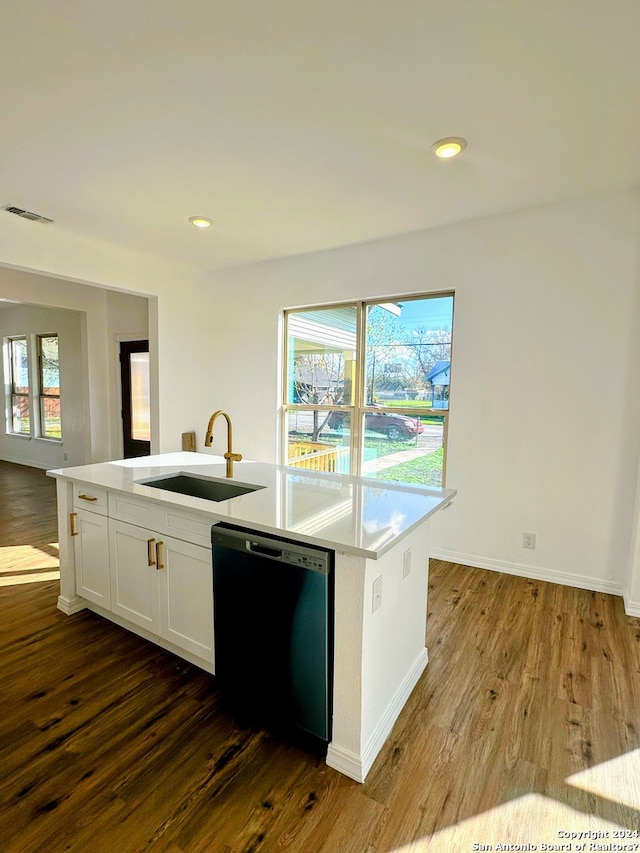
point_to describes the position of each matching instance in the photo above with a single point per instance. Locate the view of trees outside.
(45, 392)
(403, 347)
(50, 422)
(400, 400)
(19, 367)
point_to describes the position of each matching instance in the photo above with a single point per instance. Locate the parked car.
(393, 426)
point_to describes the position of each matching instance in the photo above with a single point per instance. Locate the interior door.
(136, 421)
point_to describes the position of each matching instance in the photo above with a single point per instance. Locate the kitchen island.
(141, 556)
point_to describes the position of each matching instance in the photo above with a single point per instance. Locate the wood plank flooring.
(28, 535)
(525, 728)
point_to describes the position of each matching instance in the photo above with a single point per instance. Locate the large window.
(366, 388)
(19, 386)
(32, 370)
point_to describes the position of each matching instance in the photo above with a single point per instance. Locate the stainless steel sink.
(198, 486)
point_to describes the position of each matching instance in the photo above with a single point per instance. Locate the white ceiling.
(299, 126)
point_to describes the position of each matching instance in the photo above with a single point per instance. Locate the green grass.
(53, 428)
(424, 471)
(408, 404)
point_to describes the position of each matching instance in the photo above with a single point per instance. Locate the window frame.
(34, 393)
(13, 394)
(358, 408)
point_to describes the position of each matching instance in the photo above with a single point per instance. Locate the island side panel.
(380, 650)
(344, 752)
(68, 600)
(394, 653)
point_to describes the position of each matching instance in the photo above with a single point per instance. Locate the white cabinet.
(89, 529)
(185, 587)
(164, 585)
(133, 574)
(148, 567)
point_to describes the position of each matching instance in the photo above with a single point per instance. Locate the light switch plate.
(376, 600)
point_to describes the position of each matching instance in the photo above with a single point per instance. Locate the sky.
(434, 313)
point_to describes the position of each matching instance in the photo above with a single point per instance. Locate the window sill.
(57, 441)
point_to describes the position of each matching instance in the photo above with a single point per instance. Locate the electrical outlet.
(66, 456)
(376, 594)
(528, 540)
(406, 563)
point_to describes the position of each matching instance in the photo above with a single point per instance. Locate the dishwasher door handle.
(263, 551)
(246, 541)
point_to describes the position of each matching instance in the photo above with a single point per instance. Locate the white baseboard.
(537, 573)
(357, 766)
(27, 463)
(631, 608)
(69, 606)
(345, 761)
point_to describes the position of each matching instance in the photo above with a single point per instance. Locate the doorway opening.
(136, 410)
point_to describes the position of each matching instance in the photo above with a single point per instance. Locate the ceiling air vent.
(26, 214)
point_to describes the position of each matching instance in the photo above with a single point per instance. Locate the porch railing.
(318, 457)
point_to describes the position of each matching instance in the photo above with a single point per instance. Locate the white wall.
(90, 404)
(544, 297)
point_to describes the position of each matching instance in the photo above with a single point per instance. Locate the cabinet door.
(134, 585)
(186, 596)
(91, 544)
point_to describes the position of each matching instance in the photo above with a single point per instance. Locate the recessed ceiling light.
(449, 147)
(200, 221)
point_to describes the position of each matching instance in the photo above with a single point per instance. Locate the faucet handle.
(231, 458)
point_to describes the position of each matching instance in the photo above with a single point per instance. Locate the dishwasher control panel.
(316, 563)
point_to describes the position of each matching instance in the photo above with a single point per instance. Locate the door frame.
(130, 447)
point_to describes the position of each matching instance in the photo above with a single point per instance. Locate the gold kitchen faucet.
(230, 456)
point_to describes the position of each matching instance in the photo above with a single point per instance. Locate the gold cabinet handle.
(150, 558)
(72, 523)
(87, 498)
(159, 555)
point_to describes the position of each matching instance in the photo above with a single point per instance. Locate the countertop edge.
(201, 507)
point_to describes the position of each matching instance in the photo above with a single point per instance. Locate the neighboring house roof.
(391, 385)
(438, 368)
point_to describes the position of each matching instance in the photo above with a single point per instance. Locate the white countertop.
(355, 515)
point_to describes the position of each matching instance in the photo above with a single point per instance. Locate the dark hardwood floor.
(525, 726)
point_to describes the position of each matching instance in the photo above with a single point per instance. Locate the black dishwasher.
(273, 625)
